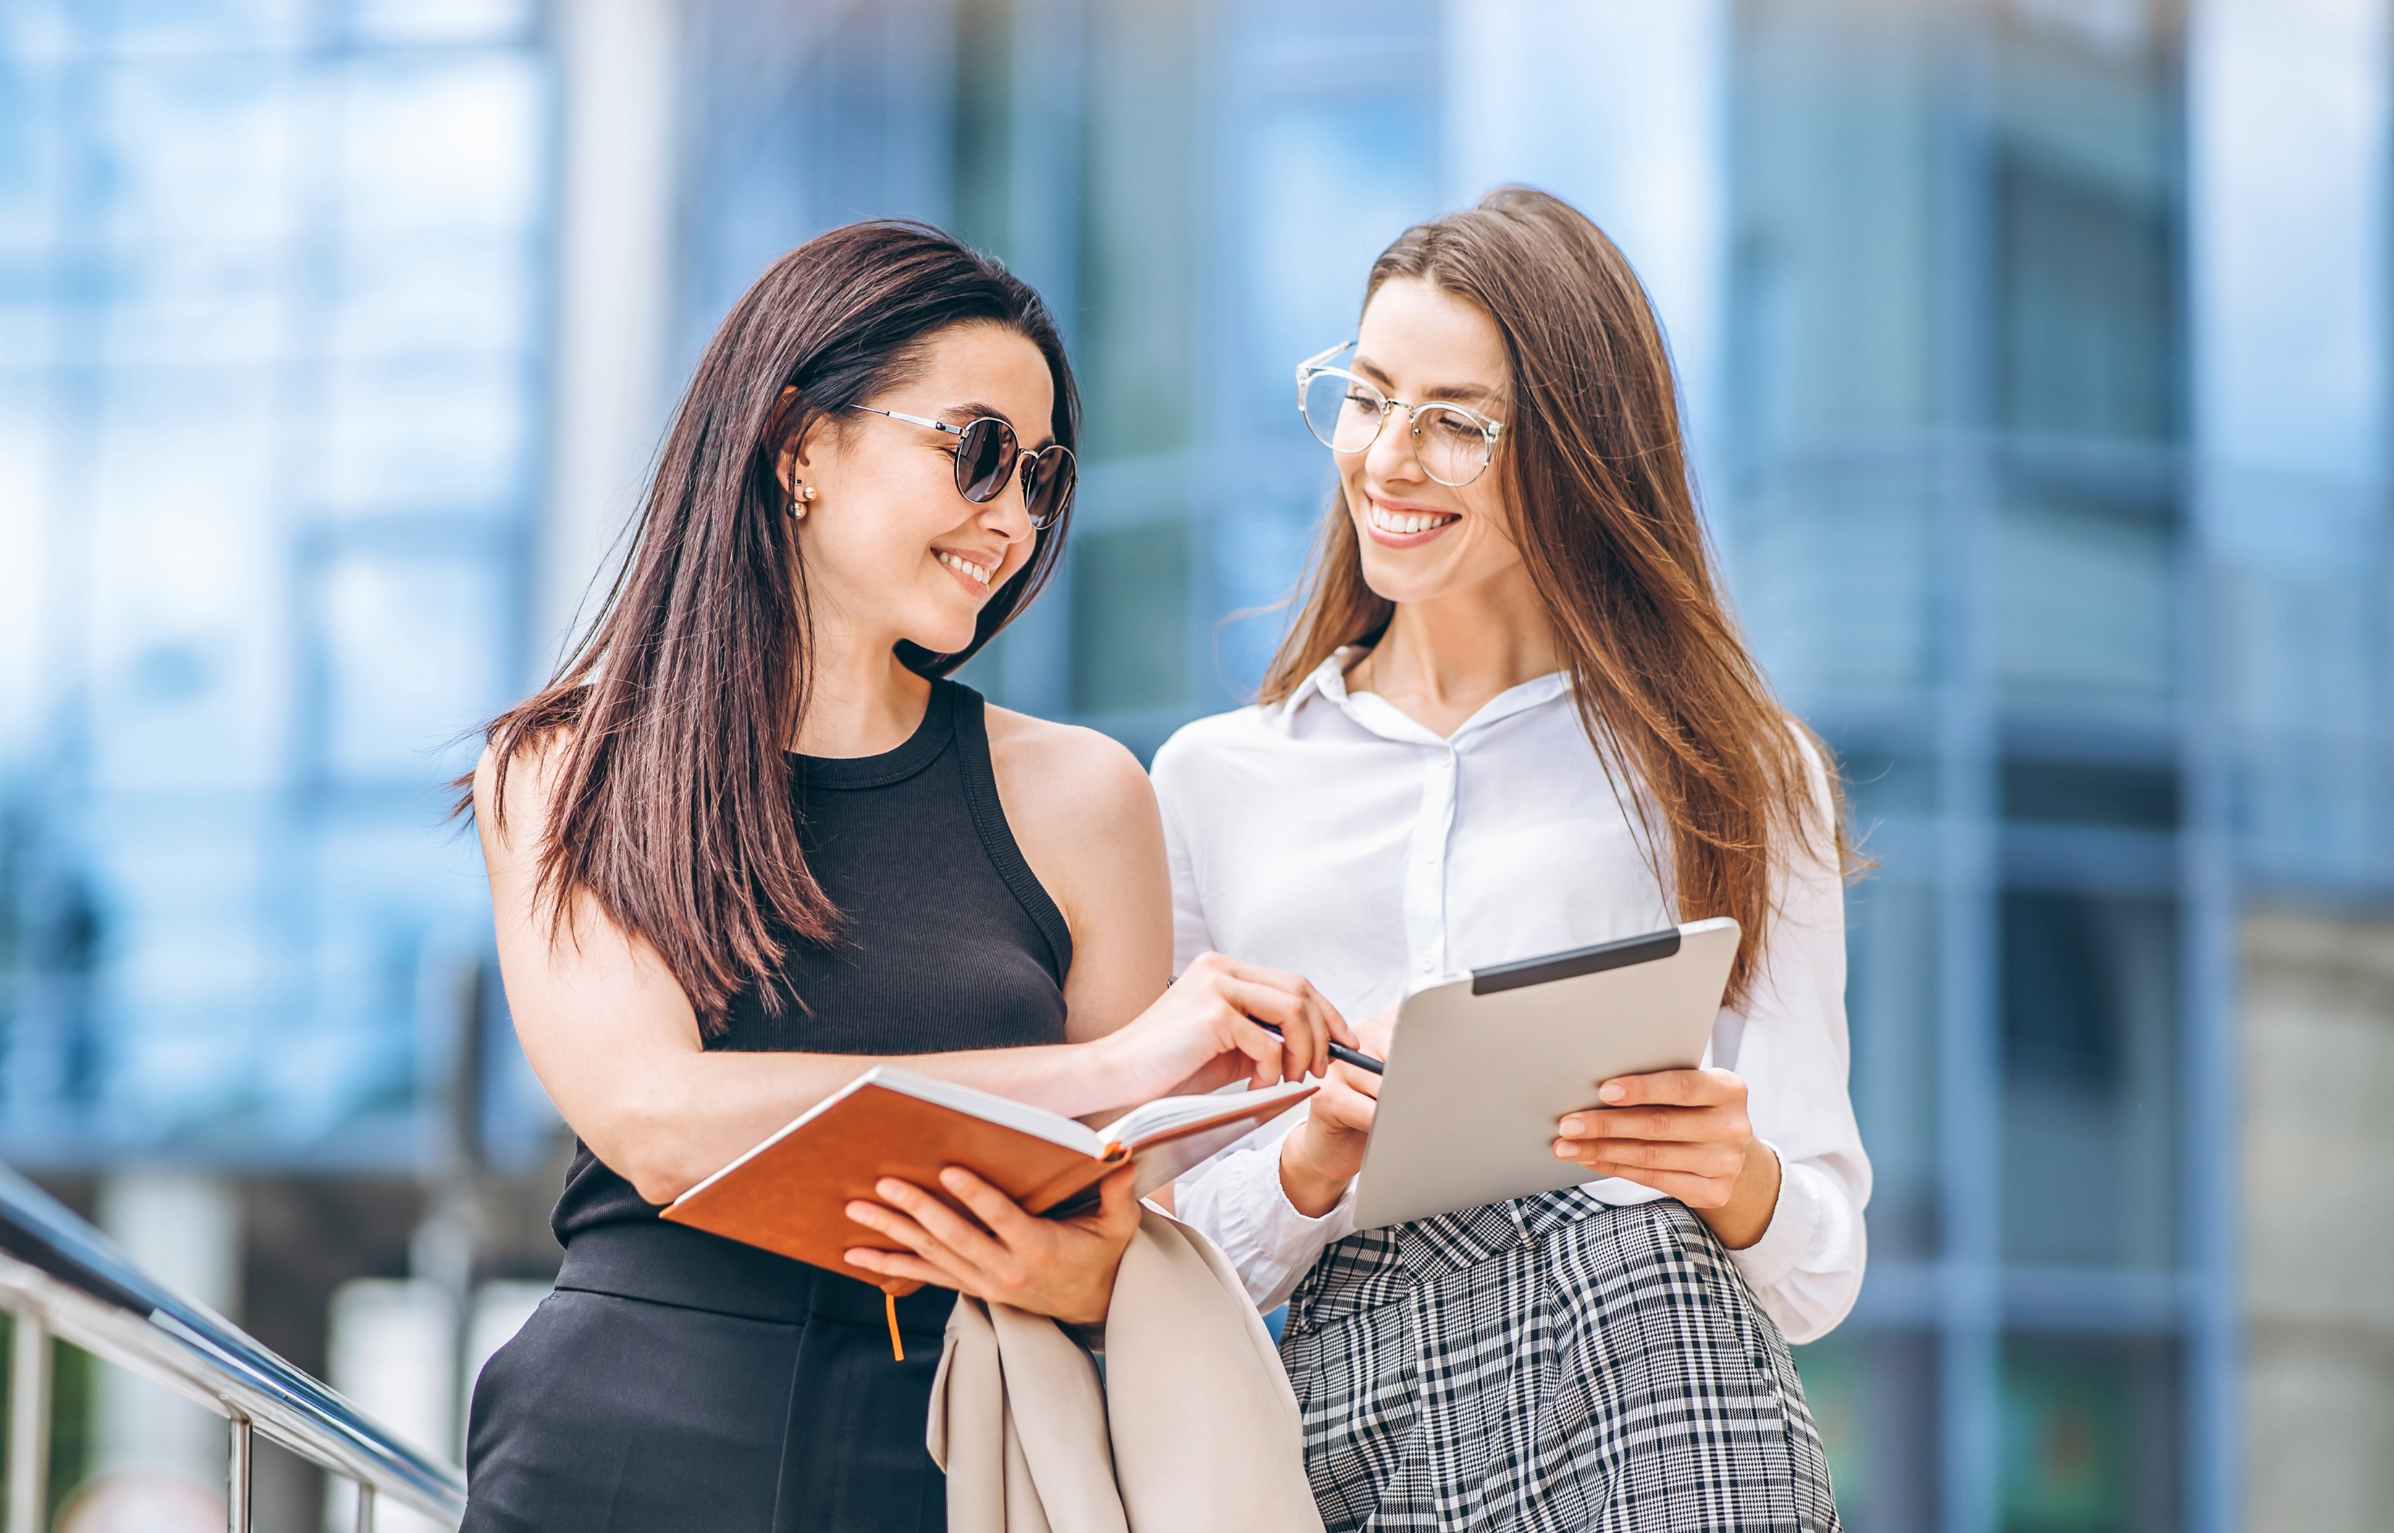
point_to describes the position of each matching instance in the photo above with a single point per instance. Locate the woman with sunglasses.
(751, 841)
(1513, 717)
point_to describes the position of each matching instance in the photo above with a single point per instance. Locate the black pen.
(1338, 1051)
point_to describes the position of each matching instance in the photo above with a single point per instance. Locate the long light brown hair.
(1605, 515)
(671, 804)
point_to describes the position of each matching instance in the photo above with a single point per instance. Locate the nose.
(1009, 514)
(1394, 456)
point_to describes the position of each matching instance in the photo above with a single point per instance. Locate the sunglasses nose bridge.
(1021, 474)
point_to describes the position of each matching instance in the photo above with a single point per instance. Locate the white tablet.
(1481, 1069)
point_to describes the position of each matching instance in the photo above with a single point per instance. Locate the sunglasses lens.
(984, 459)
(1047, 485)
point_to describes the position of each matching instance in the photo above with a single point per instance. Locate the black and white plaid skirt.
(1550, 1363)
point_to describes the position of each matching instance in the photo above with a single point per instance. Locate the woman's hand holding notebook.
(789, 1193)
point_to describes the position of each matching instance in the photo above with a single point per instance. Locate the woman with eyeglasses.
(751, 841)
(1513, 716)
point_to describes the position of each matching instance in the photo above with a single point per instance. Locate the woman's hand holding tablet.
(1683, 1133)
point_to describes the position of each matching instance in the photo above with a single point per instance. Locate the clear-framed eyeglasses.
(1346, 414)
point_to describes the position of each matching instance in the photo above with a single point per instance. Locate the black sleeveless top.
(946, 939)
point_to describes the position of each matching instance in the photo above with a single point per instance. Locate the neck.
(1458, 650)
(860, 701)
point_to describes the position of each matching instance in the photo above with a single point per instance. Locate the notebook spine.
(1073, 1179)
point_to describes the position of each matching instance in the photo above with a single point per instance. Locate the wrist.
(1746, 1217)
(1097, 1302)
(1120, 1069)
(1311, 1189)
(1091, 1316)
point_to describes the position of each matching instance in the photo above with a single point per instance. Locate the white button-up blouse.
(1333, 836)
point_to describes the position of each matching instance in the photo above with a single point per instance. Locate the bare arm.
(615, 1043)
(1120, 901)
(1085, 816)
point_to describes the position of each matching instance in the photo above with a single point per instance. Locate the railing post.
(86, 1295)
(236, 1475)
(28, 1423)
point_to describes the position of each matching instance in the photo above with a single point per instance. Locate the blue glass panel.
(205, 150)
(449, 143)
(472, 292)
(190, 974)
(28, 594)
(173, 304)
(1346, 176)
(2091, 1435)
(187, 648)
(1891, 996)
(2091, 1057)
(445, 432)
(32, 155)
(442, 21)
(1874, 1396)
(197, 26)
(412, 648)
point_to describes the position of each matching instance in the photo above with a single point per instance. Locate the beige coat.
(1193, 1428)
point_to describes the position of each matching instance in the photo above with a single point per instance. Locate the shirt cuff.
(1295, 1226)
(1794, 1221)
(1279, 1242)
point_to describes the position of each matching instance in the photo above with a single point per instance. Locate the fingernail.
(1562, 1151)
(1613, 1091)
(1575, 1125)
(888, 1189)
(952, 1176)
(856, 1210)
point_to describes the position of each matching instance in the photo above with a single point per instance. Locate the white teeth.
(1402, 522)
(977, 572)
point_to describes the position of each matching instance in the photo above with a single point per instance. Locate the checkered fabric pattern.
(1548, 1364)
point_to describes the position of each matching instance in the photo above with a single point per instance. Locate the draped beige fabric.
(1191, 1429)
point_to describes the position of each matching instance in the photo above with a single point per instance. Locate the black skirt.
(675, 1380)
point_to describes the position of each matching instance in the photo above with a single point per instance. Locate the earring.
(801, 496)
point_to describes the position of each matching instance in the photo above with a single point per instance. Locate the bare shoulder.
(1081, 809)
(1065, 773)
(512, 798)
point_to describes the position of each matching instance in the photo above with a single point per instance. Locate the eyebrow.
(973, 409)
(1452, 393)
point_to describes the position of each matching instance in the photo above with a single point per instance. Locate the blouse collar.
(1381, 717)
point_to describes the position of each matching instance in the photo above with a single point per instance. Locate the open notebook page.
(1165, 1114)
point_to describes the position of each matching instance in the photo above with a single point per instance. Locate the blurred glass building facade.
(2039, 365)
(273, 380)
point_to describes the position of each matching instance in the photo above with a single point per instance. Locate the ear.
(793, 452)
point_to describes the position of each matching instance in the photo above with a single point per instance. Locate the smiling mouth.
(1404, 529)
(976, 576)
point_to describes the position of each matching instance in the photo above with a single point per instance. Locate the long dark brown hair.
(1610, 535)
(671, 803)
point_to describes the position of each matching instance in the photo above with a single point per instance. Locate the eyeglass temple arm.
(1320, 359)
(911, 420)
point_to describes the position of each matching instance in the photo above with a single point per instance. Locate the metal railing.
(60, 1278)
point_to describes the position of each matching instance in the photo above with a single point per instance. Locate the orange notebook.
(790, 1193)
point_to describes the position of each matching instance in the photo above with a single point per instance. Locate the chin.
(941, 638)
(1389, 579)
(1395, 589)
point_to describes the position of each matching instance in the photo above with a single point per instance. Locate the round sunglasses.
(988, 455)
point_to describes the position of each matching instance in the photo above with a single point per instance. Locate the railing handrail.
(59, 1271)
